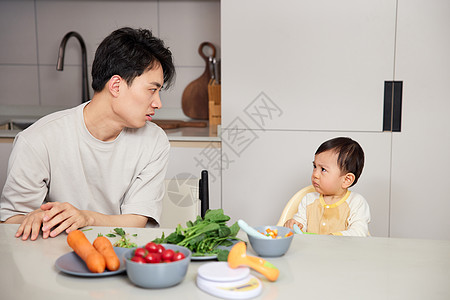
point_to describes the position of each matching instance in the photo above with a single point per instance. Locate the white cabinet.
(306, 65)
(420, 153)
(187, 160)
(294, 75)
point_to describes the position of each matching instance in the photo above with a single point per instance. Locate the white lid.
(221, 272)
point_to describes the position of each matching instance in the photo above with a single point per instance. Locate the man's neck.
(100, 120)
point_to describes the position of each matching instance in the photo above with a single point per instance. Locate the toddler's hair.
(351, 155)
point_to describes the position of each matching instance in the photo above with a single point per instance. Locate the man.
(101, 163)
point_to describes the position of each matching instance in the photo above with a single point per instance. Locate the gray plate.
(208, 257)
(214, 256)
(71, 263)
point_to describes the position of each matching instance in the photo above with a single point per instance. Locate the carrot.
(104, 246)
(84, 249)
(273, 233)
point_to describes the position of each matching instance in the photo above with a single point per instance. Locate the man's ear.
(349, 178)
(114, 85)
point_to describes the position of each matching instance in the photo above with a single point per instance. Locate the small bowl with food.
(157, 265)
(277, 245)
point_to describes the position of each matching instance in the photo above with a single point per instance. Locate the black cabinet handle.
(392, 111)
(203, 193)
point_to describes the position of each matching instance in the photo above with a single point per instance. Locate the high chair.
(291, 207)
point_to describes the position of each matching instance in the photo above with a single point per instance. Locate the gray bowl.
(160, 275)
(271, 247)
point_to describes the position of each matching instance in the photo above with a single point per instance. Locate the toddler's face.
(327, 177)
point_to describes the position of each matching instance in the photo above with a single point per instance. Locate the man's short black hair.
(350, 155)
(129, 52)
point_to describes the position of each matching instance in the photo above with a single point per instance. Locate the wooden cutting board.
(173, 124)
(194, 101)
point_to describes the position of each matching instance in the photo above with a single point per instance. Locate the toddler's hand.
(290, 224)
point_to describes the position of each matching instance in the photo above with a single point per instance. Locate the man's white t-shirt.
(57, 159)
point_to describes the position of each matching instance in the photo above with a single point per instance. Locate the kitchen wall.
(31, 31)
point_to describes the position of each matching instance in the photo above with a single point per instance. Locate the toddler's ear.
(349, 178)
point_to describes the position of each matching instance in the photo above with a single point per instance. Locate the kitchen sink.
(16, 124)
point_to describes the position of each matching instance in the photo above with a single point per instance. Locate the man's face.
(137, 103)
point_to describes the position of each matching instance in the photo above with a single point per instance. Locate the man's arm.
(26, 183)
(145, 195)
(65, 217)
(54, 217)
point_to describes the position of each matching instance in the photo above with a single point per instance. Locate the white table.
(315, 267)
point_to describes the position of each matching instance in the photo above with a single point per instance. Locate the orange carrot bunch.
(104, 246)
(97, 256)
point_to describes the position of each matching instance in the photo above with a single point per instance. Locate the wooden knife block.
(215, 111)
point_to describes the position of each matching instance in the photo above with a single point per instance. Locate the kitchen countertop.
(315, 267)
(33, 113)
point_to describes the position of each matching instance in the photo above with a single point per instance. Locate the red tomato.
(138, 259)
(153, 258)
(151, 247)
(160, 248)
(140, 252)
(178, 256)
(168, 254)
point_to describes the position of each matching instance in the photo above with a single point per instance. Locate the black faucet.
(60, 63)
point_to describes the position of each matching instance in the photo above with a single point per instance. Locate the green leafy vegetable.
(123, 242)
(204, 235)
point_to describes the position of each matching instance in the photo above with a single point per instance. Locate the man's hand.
(30, 224)
(62, 217)
(52, 218)
(55, 217)
(290, 224)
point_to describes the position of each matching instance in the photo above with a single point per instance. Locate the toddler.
(333, 209)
